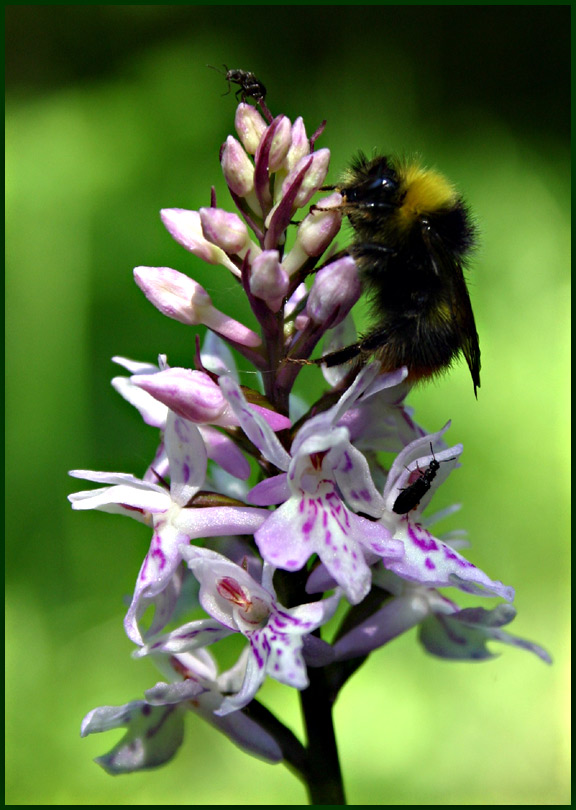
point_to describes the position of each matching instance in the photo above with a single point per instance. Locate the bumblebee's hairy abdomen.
(413, 236)
(426, 346)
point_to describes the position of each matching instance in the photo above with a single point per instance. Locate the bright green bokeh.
(90, 162)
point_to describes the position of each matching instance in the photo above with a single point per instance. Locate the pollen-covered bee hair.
(250, 86)
(413, 236)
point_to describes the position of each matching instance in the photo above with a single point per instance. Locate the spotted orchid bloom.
(427, 560)
(155, 726)
(239, 604)
(324, 473)
(173, 520)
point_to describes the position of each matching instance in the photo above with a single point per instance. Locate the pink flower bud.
(315, 176)
(224, 229)
(268, 280)
(177, 296)
(335, 290)
(300, 146)
(183, 299)
(280, 144)
(185, 227)
(250, 127)
(191, 394)
(237, 167)
(319, 228)
(315, 233)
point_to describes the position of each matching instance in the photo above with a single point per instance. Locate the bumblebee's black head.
(398, 203)
(371, 185)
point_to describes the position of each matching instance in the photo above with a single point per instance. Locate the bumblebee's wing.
(449, 268)
(464, 317)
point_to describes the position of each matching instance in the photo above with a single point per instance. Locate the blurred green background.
(112, 114)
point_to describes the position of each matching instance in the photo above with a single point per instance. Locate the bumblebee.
(413, 237)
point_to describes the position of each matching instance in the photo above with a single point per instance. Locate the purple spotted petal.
(276, 650)
(187, 457)
(353, 476)
(431, 562)
(157, 570)
(323, 525)
(154, 734)
(165, 603)
(281, 642)
(188, 637)
(253, 680)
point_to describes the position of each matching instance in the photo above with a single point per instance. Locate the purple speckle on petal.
(181, 430)
(312, 515)
(429, 564)
(422, 538)
(348, 465)
(258, 657)
(159, 556)
(186, 472)
(451, 555)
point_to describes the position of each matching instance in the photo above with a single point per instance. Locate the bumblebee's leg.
(340, 356)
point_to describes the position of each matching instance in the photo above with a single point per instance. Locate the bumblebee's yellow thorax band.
(425, 192)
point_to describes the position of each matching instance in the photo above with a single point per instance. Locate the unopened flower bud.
(268, 280)
(315, 176)
(335, 290)
(237, 167)
(224, 229)
(250, 127)
(191, 394)
(185, 227)
(300, 146)
(315, 233)
(280, 143)
(184, 300)
(177, 296)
